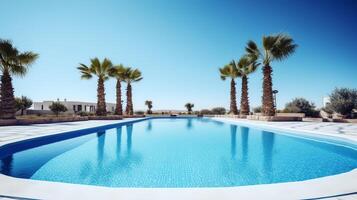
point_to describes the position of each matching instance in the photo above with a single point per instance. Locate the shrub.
(57, 107)
(22, 104)
(205, 112)
(139, 112)
(301, 105)
(343, 100)
(83, 113)
(218, 111)
(257, 109)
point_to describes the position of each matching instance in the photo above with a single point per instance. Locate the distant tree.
(218, 111)
(205, 112)
(301, 105)
(343, 100)
(189, 107)
(57, 107)
(22, 104)
(148, 103)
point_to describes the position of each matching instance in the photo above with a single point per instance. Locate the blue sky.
(179, 46)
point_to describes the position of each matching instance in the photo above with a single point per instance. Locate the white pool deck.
(341, 186)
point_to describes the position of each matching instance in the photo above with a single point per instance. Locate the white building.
(73, 106)
(326, 101)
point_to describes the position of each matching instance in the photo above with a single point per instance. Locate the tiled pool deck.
(342, 186)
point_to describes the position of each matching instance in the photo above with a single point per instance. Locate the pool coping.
(329, 186)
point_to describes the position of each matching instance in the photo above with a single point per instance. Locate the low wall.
(113, 117)
(274, 118)
(44, 120)
(233, 116)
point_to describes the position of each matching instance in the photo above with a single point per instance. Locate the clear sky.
(179, 46)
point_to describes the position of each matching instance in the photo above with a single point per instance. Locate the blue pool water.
(189, 152)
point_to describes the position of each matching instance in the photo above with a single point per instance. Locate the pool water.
(180, 152)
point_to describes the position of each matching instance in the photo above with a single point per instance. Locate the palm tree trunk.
(233, 108)
(7, 97)
(268, 108)
(119, 107)
(129, 103)
(244, 104)
(101, 106)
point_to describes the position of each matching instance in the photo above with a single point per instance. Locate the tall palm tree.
(189, 107)
(245, 66)
(118, 73)
(148, 103)
(130, 76)
(275, 48)
(102, 71)
(231, 71)
(12, 62)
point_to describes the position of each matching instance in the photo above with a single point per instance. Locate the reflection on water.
(233, 141)
(129, 132)
(244, 137)
(100, 146)
(189, 123)
(149, 126)
(6, 164)
(119, 131)
(268, 146)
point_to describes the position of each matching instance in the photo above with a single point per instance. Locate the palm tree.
(148, 103)
(102, 71)
(275, 47)
(231, 71)
(12, 62)
(245, 66)
(118, 73)
(189, 107)
(130, 75)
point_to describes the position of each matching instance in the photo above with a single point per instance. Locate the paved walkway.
(339, 130)
(10, 134)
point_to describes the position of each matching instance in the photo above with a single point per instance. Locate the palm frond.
(252, 50)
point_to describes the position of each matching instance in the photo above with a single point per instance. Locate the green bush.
(139, 112)
(22, 104)
(57, 107)
(257, 109)
(343, 101)
(301, 105)
(218, 111)
(205, 112)
(83, 113)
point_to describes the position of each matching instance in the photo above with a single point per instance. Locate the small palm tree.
(130, 75)
(148, 103)
(102, 71)
(245, 66)
(231, 71)
(12, 62)
(275, 47)
(118, 73)
(189, 107)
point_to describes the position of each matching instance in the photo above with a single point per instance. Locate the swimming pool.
(176, 152)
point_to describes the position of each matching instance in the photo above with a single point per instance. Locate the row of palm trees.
(105, 70)
(274, 48)
(12, 63)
